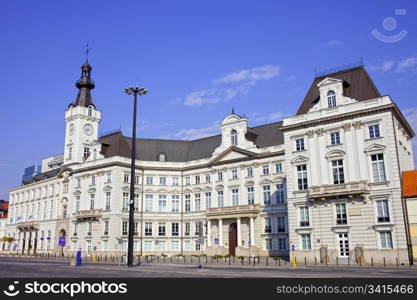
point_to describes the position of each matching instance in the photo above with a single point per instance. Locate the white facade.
(318, 193)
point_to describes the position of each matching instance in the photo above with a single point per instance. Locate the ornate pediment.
(265, 181)
(107, 188)
(207, 188)
(278, 179)
(249, 183)
(162, 190)
(219, 187)
(375, 148)
(335, 153)
(197, 189)
(91, 190)
(126, 188)
(299, 159)
(231, 154)
(328, 81)
(77, 192)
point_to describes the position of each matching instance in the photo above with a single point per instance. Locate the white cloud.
(383, 67)
(197, 133)
(411, 116)
(269, 118)
(202, 97)
(333, 43)
(406, 64)
(250, 76)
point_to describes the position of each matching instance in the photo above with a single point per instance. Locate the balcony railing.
(248, 210)
(89, 214)
(349, 190)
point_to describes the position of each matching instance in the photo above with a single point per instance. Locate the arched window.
(90, 111)
(233, 136)
(162, 157)
(331, 99)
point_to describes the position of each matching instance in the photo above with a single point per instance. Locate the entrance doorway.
(343, 245)
(232, 239)
(62, 240)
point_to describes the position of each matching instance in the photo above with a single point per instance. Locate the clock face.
(71, 129)
(88, 129)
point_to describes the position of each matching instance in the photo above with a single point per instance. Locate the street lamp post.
(135, 91)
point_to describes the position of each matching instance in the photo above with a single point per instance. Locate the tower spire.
(85, 84)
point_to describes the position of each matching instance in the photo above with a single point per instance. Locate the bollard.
(315, 260)
(206, 259)
(192, 258)
(384, 262)
(348, 261)
(372, 261)
(337, 261)
(266, 261)
(396, 259)
(294, 261)
(229, 260)
(254, 261)
(305, 260)
(279, 262)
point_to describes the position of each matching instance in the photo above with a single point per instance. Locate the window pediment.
(335, 154)
(91, 190)
(249, 183)
(299, 159)
(219, 187)
(375, 148)
(107, 188)
(328, 81)
(265, 181)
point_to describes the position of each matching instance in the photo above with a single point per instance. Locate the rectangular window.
(78, 182)
(280, 194)
(51, 209)
(278, 168)
(305, 242)
(106, 228)
(148, 229)
(162, 202)
(374, 132)
(187, 229)
(175, 229)
(187, 180)
(219, 176)
(148, 246)
(220, 199)
(161, 229)
(126, 178)
(208, 200)
(175, 203)
(208, 178)
(338, 172)
(341, 215)
(77, 203)
(175, 181)
(268, 244)
(197, 202)
(108, 177)
(235, 197)
(249, 171)
(137, 178)
(162, 180)
(149, 180)
(197, 179)
(386, 239)
(92, 201)
(86, 152)
(265, 169)
(148, 202)
(281, 227)
(93, 180)
(383, 211)
(108, 200)
(304, 217)
(125, 201)
(267, 194)
(135, 226)
(187, 245)
(175, 246)
(282, 244)
(335, 138)
(198, 229)
(234, 174)
(251, 195)
(161, 245)
(268, 225)
(124, 227)
(299, 144)
(187, 202)
(378, 167)
(136, 202)
(302, 177)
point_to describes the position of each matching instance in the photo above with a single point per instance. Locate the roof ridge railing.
(340, 68)
(110, 132)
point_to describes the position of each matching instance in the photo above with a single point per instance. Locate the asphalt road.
(37, 268)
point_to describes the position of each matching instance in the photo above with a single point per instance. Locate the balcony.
(84, 215)
(250, 210)
(31, 225)
(345, 190)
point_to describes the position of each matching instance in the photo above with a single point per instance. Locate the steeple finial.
(85, 84)
(87, 50)
(233, 110)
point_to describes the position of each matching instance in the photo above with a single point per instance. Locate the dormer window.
(162, 157)
(331, 98)
(234, 137)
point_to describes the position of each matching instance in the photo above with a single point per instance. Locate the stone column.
(30, 241)
(239, 237)
(220, 232)
(35, 242)
(251, 232)
(208, 233)
(24, 242)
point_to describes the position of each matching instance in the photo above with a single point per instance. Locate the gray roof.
(183, 150)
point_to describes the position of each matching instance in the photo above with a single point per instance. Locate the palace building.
(322, 184)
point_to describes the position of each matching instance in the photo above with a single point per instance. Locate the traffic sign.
(61, 241)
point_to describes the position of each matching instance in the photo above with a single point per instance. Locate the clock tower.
(82, 119)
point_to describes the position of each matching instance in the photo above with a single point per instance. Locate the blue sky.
(198, 59)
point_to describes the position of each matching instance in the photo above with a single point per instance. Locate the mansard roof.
(356, 84)
(116, 144)
(43, 176)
